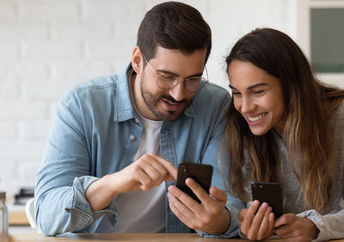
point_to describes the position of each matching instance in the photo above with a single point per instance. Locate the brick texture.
(48, 46)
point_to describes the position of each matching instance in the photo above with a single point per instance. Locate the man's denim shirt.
(97, 132)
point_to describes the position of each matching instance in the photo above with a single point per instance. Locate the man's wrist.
(226, 221)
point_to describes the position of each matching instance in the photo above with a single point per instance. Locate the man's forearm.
(100, 193)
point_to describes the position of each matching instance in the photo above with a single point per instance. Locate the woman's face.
(258, 96)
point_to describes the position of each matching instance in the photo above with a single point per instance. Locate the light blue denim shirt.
(97, 132)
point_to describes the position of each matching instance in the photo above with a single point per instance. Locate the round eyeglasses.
(168, 81)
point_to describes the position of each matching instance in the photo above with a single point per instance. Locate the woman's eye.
(236, 93)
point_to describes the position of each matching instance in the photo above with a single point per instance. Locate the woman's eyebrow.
(251, 87)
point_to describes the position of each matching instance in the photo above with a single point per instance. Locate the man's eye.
(167, 77)
(193, 79)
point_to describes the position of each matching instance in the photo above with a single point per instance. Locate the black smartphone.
(201, 173)
(269, 192)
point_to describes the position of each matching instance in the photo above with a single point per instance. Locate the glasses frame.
(177, 80)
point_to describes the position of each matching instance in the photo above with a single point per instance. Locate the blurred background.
(48, 46)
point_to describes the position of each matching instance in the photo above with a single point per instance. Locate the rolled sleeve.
(80, 209)
(330, 225)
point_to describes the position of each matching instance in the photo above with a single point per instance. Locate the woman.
(284, 126)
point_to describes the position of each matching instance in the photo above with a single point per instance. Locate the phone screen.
(269, 192)
(201, 173)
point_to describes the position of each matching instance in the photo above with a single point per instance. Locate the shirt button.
(131, 137)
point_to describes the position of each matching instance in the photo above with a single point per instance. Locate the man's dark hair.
(173, 25)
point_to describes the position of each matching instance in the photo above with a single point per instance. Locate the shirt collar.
(124, 108)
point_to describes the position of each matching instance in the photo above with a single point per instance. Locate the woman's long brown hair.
(309, 105)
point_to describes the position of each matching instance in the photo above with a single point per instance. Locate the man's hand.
(148, 171)
(293, 228)
(257, 222)
(209, 216)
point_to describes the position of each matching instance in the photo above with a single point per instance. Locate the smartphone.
(201, 173)
(269, 192)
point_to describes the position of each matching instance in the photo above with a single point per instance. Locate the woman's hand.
(257, 222)
(293, 228)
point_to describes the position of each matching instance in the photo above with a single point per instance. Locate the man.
(110, 163)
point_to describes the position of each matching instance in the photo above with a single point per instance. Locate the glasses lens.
(166, 82)
(192, 84)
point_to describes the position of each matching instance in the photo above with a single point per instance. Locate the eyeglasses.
(169, 81)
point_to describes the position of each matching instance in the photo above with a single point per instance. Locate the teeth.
(253, 119)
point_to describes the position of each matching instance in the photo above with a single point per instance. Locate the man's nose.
(178, 92)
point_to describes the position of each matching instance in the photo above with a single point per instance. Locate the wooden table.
(120, 237)
(124, 237)
(17, 217)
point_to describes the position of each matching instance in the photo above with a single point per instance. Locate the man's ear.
(136, 59)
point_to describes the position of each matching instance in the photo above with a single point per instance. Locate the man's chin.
(168, 116)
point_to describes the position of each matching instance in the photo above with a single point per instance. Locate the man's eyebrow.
(174, 74)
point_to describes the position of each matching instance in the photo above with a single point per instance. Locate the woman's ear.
(136, 59)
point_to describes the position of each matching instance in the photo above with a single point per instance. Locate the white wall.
(48, 46)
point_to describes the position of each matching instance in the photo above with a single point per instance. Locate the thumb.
(169, 177)
(218, 194)
(241, 214)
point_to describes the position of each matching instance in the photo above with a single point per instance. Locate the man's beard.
(152, 102)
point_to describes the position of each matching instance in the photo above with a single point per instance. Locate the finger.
(155, 170)
(263, 230)
(143, 179)
(185, 199)
(218, 194)
(290, 235)
(202, 195)
(271, 221)
(257, 220)
(247, 221)
(156, 176)
(180, 210)
(156, 162)
(253, 208)
(168, 166)
(284, 230)
(283, 220)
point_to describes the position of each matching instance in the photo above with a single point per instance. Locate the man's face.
(168, 104)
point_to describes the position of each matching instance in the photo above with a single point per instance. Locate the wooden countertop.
(17, 217)
(157, 237)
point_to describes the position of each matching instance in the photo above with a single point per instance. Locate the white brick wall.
(48, 46)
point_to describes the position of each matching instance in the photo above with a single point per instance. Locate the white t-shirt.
(143, 211)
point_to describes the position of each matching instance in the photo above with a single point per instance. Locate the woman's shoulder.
(338, 114)
(337, 123)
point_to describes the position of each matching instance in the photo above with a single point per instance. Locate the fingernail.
(189, 181)
(171, 188)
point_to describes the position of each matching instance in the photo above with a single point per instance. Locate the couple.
(110, 162)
